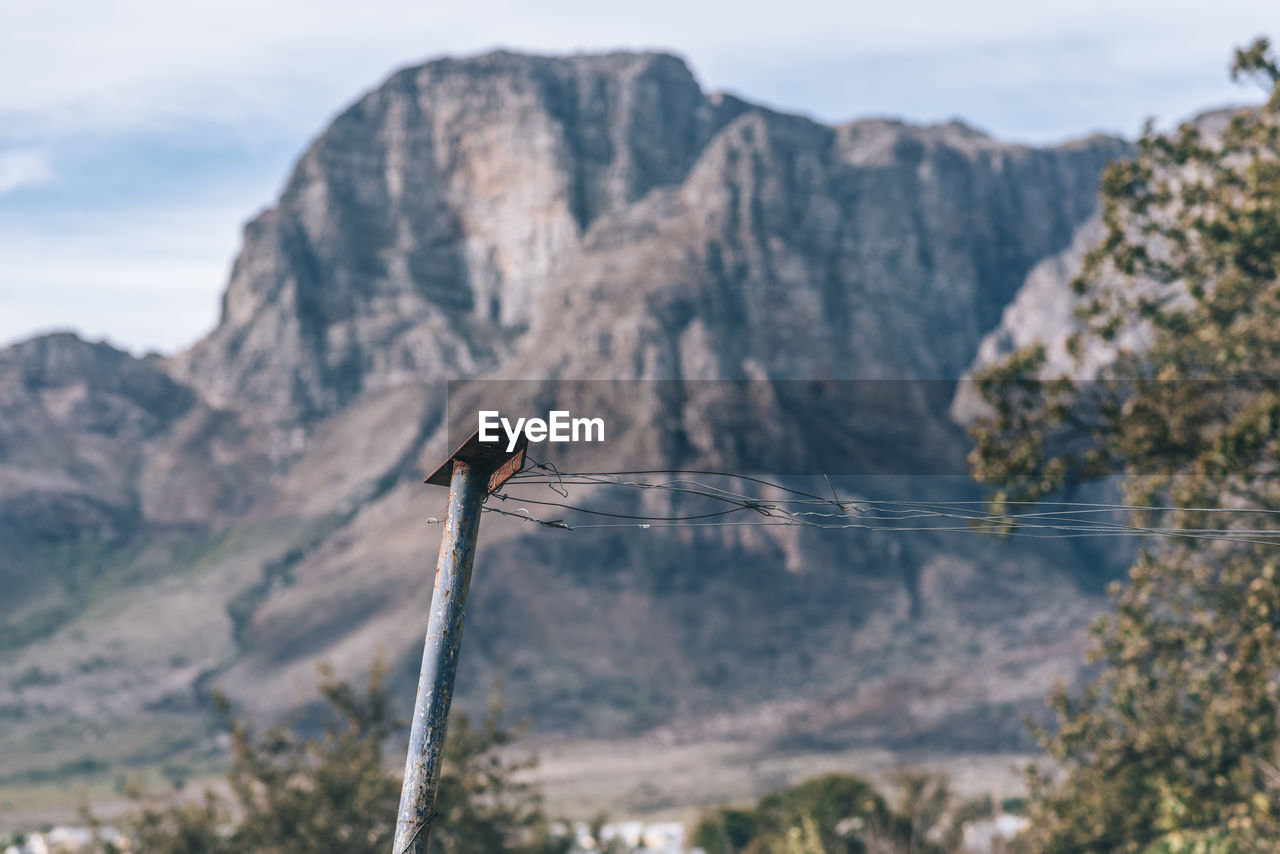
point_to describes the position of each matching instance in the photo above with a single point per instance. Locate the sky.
(138, 136)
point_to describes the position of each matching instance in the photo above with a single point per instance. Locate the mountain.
(235, 514)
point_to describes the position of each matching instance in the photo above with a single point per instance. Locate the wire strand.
(1045, 519)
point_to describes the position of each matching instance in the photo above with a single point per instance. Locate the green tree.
(336, 793)
(1173, 746)
(842, 814)
(841, 810)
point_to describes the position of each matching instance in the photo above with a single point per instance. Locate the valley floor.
(639, 778)
(646, 778)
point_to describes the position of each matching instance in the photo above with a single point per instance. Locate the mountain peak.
(449, 211)
(433, 213)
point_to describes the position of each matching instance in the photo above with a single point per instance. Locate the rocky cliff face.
(242, 510)
(465, 206)
(420, 233)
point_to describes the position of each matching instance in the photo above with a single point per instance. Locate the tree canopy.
(335, 791)
(1172, 745)
(843, 814)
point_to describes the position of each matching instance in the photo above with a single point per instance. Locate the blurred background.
(822, 257)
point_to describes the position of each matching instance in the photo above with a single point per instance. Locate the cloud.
(144, 279)
(139, 63)
(24, 167)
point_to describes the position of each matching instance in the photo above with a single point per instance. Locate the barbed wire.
(789, 506)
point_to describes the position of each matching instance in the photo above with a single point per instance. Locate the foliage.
(483, 804)
(842, 814)
(1172, 747)
(335, 793)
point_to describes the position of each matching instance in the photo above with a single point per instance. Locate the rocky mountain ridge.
(235, 513)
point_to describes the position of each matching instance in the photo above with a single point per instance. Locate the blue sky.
(137, 136)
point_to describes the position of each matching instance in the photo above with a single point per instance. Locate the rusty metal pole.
(468, 487)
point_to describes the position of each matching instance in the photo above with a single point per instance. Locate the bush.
(336, 794)
(843, 814)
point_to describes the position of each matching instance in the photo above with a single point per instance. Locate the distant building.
(663, 837)
(68, 840)
(983, 837)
